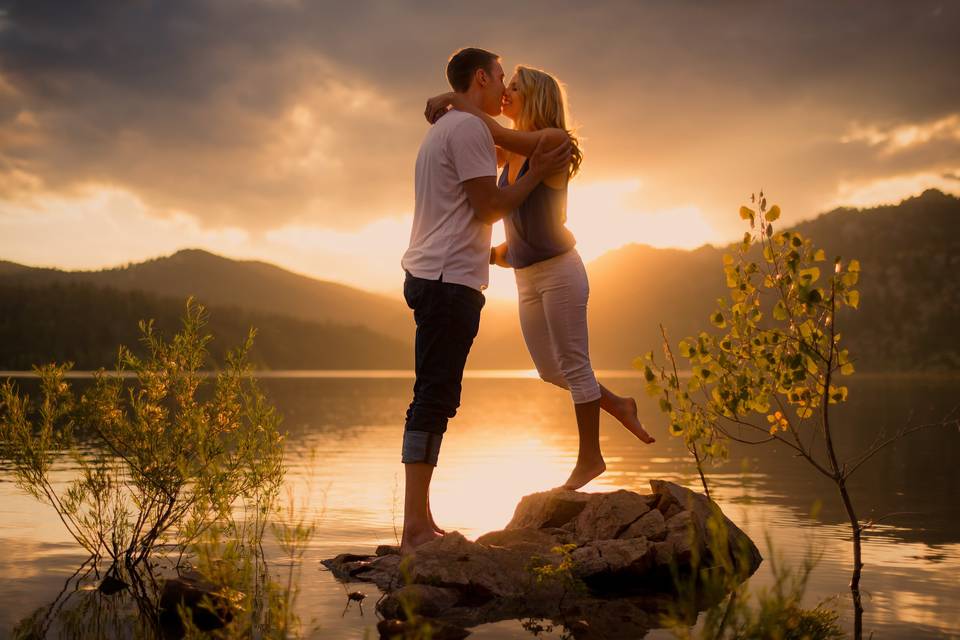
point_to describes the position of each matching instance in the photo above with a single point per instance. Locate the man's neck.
(474, 96)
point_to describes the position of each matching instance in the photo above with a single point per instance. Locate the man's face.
(493, 90)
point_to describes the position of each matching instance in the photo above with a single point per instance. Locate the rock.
(742, 549)
(420, 628)
(191, 589)
(111, 584)
(685, 533)
(607, 515)
(617, 582)
(381, 570)
(548, 509)
(671, 510)
(477, 571)
(387, 550)
(651, 526)
(618, 557)
(384, 571)
(531, 541)
(663, 553)
(345, 565)
(421, 599)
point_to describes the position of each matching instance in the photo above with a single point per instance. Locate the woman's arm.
(522, 142)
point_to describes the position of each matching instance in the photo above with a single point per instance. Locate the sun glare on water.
(483, 478)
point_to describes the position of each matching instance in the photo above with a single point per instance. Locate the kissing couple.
(458, 198)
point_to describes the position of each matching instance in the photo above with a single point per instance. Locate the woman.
(551, 279)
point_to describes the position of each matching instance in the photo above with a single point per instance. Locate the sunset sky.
(286, 130)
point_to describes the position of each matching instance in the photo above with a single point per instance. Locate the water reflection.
(516, 436)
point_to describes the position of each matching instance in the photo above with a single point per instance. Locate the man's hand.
(438, 105)
(547, 163)
(499, 255)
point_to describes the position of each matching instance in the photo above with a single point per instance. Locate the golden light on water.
(485, 477)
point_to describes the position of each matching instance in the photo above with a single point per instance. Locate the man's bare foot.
(584, 473)
(413, 538)
(628, 418)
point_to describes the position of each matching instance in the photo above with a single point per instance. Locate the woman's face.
(512, 100)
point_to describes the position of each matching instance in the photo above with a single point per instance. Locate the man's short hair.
(464, 63)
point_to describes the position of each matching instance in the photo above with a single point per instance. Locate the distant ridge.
(909, 317)
(249, 284)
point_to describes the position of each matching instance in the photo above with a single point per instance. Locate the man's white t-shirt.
(446, 239)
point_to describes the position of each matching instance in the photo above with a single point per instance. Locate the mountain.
(909, 316)
(85, 323)
(249, 284)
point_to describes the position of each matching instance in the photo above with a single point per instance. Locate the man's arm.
(522, 142)
(490, 203)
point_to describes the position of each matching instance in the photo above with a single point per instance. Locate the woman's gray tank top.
(535, 230)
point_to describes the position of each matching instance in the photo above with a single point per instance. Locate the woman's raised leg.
(624, 409)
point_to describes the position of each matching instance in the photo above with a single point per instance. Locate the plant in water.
(261, 605)
(772, 369)
(775, 612)
(181, 451)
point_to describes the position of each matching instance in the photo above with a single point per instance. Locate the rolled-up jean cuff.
(421, 446)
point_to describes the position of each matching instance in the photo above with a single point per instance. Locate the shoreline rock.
(600, 564)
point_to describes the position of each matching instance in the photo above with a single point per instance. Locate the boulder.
(548, 509)
(420, 599)
(743, 551)
(651, 526)
(193, 591)
(478, 571)
(621, 558)
(685, 535)
(613, 570)
(531, 541)
(607, 515)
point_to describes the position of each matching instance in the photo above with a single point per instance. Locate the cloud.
(897, 138)
(258, 115)
(873, 193)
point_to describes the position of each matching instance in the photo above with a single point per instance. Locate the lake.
(516, 435)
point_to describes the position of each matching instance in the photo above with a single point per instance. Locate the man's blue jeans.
(448, 318)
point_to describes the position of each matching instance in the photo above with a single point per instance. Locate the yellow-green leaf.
(780, 311)
(810, 275)
(854, 266)
(747, 213)
(773, 214)
(852, 298)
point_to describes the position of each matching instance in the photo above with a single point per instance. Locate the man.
(447, 265)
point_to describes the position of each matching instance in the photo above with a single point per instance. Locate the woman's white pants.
(553, 318)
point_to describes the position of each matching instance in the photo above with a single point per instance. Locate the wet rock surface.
(598, 564)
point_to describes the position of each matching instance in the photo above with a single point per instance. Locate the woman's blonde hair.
(544, 107)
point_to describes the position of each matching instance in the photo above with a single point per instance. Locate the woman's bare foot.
(413, 537)
(627, 415)
(584, 472)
